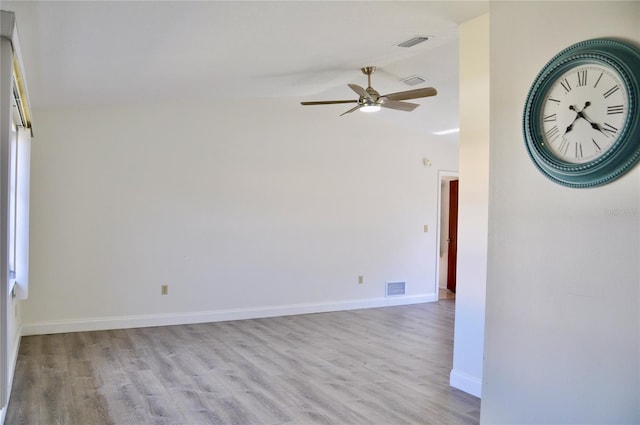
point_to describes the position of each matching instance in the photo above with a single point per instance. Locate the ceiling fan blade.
(401, 106)
(360, 91)
(355, 108)
(328, 102)
(412, 94)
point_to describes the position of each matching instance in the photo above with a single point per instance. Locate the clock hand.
(570, 127)
(586, 105)
(579, 114)
(593, 125)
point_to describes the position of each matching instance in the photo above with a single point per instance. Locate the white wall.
(243, 209)
(563, 302)
(472, 206)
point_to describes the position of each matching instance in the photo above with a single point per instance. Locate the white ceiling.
(81, 53)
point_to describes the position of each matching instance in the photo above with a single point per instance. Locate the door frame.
(6, 87)
(442, 174)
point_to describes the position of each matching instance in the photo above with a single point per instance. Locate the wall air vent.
(396, 288)
(414, 80)
(413, 41)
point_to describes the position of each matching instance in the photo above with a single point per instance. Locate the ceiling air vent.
(413, 41)
(396, 288)
(414, 80)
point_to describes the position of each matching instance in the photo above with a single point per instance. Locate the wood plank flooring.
(382, 366)
(445, 294)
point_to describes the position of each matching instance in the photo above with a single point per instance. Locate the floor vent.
(396, 288)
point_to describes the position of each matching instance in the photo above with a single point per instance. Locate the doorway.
(447, 235)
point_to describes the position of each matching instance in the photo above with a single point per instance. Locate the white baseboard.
(465, 382)
(13, 360)
(142, 321)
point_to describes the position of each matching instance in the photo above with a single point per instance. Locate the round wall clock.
(582, 114)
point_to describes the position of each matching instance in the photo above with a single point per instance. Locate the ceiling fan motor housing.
(373, 93)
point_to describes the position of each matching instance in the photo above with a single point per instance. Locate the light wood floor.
(382, 366)
(445, 294)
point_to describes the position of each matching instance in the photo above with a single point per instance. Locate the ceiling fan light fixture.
(370, 108)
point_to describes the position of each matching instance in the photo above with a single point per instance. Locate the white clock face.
(583, 113)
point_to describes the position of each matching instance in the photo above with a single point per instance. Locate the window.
(13, 195)
(18, 198)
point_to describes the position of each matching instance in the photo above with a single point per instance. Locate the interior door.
(453, 236)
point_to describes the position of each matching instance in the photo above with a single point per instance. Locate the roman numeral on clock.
(549, 118)
(553, 133)
(565, 85)
(564, 146)
(611, 91)
(609, 129)
(578, 150)
(582, 78)
(617, 109)
(598, 148)
(598, 80)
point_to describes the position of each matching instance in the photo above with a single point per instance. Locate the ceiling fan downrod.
(368, 70)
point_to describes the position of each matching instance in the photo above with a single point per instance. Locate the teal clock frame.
(623, 155)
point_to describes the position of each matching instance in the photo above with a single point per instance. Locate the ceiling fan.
(370, 100)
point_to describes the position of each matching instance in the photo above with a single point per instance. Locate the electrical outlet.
(164, 289)
(426, 228)
(360, 280)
